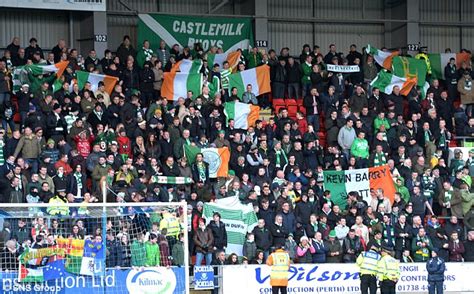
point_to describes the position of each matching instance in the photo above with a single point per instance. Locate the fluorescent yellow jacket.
(388, 269)
(171, 224)
(59, 209)
(280, 263)
(368, 262)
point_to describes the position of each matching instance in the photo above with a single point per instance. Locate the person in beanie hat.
(334, 253)
(435, 267)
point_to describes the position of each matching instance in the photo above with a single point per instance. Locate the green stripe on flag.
(338, 190)
(437, 69)
(190, 152)
(82, 78)
(229, 110)
(235, 80)
(194, 84)
(73, 264)
(382, 80)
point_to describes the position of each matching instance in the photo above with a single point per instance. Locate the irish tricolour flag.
(439, 61)
(22, 74)
(217, 158)
(82, 77)
(232, 57)
(386, 81)
(340, 183)
(384, 58)
(258, 77)
(177, 84)
(243, 114)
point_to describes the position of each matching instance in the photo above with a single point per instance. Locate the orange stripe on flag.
(175, 67)
(233, 58)
(406, 88)
(381, 177)
(167, 89)
(109, 83)
(61, 66)
(224, 155)
(253, 115)
(263, 79)
(387, 63)
(462, 57)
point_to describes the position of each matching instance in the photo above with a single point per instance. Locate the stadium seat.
(292, 106)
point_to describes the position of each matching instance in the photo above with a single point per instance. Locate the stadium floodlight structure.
(74, 247)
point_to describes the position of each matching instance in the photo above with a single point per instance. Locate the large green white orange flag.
(439, 61)
(384, 58)
(258, 77)
(386, 81)
(22, 74)
(82, 77)
(232, 58)
(243, 114)
(217, 158)
(177, 84)
(340, 183)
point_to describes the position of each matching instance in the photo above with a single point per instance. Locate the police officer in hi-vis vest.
(368, 266)
(280, 263)
(388, 271)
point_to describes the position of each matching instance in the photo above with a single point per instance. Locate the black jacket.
(263, 238)
(219, 233)
(279, 234)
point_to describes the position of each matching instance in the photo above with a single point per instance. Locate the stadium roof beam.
(319, 20)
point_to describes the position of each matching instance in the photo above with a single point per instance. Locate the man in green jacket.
(360, 150)
(138, 251)
(306, 69)
(421, 246)
(178, 251)
(152, 251)
(467, 199)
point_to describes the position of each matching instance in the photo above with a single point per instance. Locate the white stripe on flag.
(180, 84)
(185, 65)
(159, 29)
(396, 81)
(219, 59)
(250, 77)
(94, 80)
(241, 111)
(358, 185)
(49, 68)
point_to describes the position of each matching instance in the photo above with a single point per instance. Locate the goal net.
(99, 248)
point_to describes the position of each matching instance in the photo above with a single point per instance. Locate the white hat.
(25, 85)
(304, 238)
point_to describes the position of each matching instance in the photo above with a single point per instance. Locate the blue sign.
(203, 277)
(148, 280)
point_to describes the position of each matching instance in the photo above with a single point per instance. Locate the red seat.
(291, 102)
(278, 101)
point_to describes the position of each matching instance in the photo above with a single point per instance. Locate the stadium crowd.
(67, 144)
